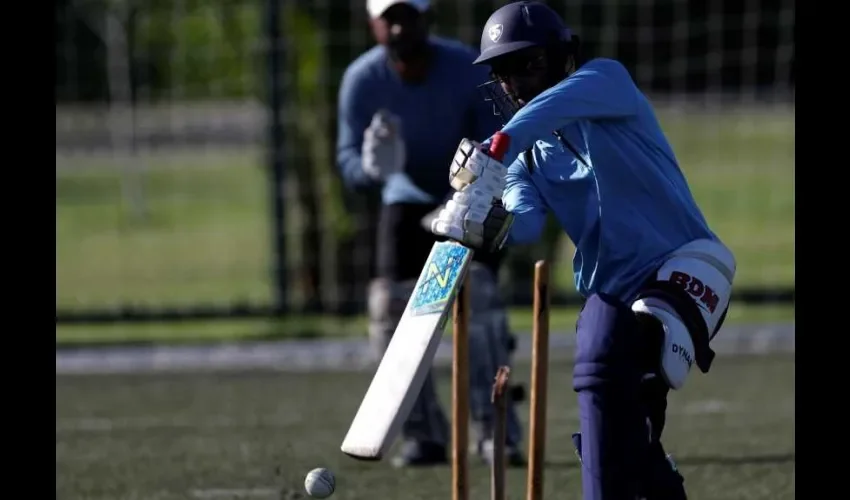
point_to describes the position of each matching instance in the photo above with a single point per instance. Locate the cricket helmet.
(520, 25)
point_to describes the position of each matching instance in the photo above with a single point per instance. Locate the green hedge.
(186, 49)
(204, 50)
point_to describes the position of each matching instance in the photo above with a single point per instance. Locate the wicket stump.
(539, 387)
(539, 382)
(460, 394)
(500, 429)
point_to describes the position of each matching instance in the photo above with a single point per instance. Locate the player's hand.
(474, 218)
(383, 151)
(428, 220)
(471, 166)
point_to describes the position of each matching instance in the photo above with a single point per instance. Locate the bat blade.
(410, 354)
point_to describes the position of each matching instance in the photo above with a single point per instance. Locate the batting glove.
(471, 166)
(475, 219)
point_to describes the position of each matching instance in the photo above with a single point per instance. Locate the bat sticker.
(439, 279)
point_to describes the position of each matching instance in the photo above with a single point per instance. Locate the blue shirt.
(625, 211)
(435, 115)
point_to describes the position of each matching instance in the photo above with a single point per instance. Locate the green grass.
(179, 436)
(205, 237)
(206, 234)
(741, 170)
(561, 320)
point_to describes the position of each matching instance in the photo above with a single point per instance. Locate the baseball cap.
(378, 7)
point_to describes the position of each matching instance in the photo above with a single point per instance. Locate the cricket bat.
(410, 354)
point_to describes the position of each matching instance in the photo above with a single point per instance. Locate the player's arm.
(523, 201)
(353, 119)
(601, 89)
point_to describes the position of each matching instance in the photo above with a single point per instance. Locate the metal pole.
(275, 58)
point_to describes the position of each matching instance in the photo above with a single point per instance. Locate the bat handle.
(499, 145)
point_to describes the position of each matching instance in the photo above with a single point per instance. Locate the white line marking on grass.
(763, 339)
(235, 492)
(701, 407)
(707, 407)
(144, 423)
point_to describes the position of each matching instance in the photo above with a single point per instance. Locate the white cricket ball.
(320, 483)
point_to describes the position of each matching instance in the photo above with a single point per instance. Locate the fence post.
(274, 67)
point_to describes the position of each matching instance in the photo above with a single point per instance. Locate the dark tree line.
(208, 49)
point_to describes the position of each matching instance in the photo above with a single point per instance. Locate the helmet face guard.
(525, 62)
(520, 39)
(510, 86)
(504, 104)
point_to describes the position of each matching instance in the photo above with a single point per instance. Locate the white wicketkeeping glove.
(475, 216)
(383, 151)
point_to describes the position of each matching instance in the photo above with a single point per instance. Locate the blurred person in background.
(403, 107)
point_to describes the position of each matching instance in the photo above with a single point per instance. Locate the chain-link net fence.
(162, 159)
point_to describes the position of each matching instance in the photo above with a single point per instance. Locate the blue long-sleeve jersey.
(628, 208)
(435, 115)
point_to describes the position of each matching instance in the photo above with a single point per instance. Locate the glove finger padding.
(472, 166)
(476, 221)
(446, 225)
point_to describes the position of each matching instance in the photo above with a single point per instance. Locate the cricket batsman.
(403, 107)
(586, 147)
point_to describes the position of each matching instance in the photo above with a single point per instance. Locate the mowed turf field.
(205, 238)
(254, 435)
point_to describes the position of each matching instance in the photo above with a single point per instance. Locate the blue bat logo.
(438, 279)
